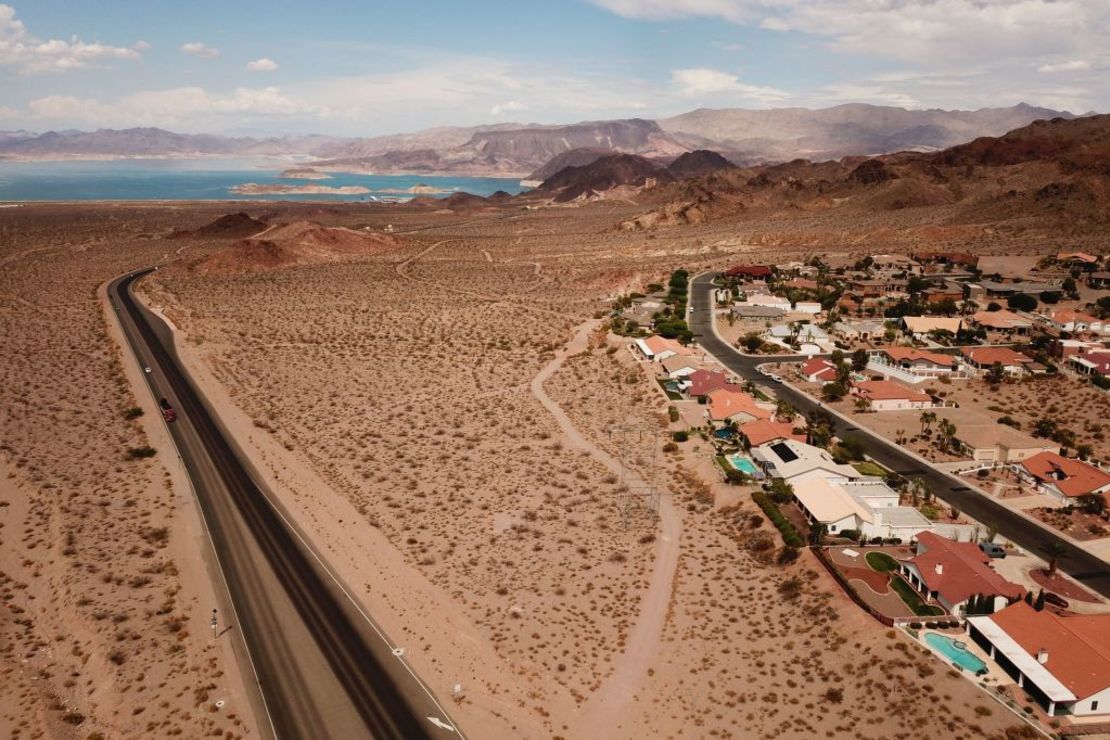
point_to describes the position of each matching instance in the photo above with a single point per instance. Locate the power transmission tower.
(633, 488)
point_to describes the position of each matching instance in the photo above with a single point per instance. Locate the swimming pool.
(954, 652)
(743, 463)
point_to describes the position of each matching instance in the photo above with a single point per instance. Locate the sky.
(359, 68)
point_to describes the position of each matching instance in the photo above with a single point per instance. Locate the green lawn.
(869, 468)
(881, 562)
(913, 599)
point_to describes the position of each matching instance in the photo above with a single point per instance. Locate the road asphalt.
(322, 667)
(1080, 564)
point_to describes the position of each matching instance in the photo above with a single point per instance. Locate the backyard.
(877, 583)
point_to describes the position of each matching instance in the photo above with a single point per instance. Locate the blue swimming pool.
(743, 463)
(724, 433)
(954, 651)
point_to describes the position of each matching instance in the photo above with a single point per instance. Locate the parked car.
(992, 550)
(776, 378)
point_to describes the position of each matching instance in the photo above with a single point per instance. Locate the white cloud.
(1076, 65)
(923, 31)
(20, 49)
(510, 106)
(200, 49)
(701, 82)
(182, 107)
(262, 65)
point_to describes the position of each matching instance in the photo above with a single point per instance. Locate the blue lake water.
(208, 179)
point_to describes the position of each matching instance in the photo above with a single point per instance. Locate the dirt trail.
(601, 714)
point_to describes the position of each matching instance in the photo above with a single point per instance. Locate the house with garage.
(727, 405)
(859, 330)
(1091, 363)
(919, 364)
(920, 327)
(886, 395)
(679, 366)
(1074, 322)
(702, 382)
(818, 370)
(765, 431)
(990, 442)
(657, 348)
(864, 504)
(978, 360)
(952, 573)
(1002, 322)
(790, 458)
(750, 312)
(1062, 661)
(1062, 477)
(895, 264)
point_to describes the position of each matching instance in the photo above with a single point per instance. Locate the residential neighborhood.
(932, 354)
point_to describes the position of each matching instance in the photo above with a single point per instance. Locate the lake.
(209, 179)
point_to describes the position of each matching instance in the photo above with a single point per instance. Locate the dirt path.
(601, 714)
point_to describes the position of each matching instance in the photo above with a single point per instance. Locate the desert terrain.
(436, 406)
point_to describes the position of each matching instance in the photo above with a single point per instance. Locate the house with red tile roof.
(980, 359)
(1063, 477)
(951, 573)
(749, 271)
(886, 395)
(657, 348)
(1091, 363)
(703, 382)
(818, 370)
(765, 431)
(728, 404)
(1062, 661)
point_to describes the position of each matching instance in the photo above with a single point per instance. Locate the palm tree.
(927, 419)
(947, 432)
(1055, 550)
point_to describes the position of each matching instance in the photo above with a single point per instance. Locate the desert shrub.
(136, 453)
(791, 588)
(672, 412)
(787, 555)
(848, 534)
(680, 436)
(931, 625)
(670, 447)
(915, 625)
(834, 695)
(132, 413)
(755, 521)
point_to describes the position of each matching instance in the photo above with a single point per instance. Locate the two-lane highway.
(323, 668)
(1076, 562)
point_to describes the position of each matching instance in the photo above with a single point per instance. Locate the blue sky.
(358, 68)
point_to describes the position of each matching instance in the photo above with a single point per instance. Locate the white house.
(1063, 662)
(679, 366)
(864, 503)
(809, 307)
(789, 458)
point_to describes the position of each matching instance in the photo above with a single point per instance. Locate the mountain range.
(745, 137)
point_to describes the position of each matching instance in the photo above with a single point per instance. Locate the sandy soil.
(104, 626)
(392, 400)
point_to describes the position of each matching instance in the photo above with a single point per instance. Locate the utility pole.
(631, 486)
(214, 623)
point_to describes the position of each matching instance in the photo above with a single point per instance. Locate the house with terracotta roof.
(886, 395)
(951, 573)
(703, 382)
(749, 272)
(980, 359)
(1062, 477)
(922, 326)
(919, 363)
(766, 431)
(1076, 322)
(729, 404)
(1063, 662)
(1004, 322)
(818, 370)
(657, 348)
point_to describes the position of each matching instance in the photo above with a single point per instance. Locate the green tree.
(859, 360)
(927, 418)
(1022, 302)
(1054, 550)
(781, 492)
(995, 374)
(1038, 603)
(833, 391)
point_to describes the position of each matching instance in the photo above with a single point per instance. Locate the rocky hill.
(602, 176)
(153, 142)
(698, 163)
(571, 158)
(1048, 169)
